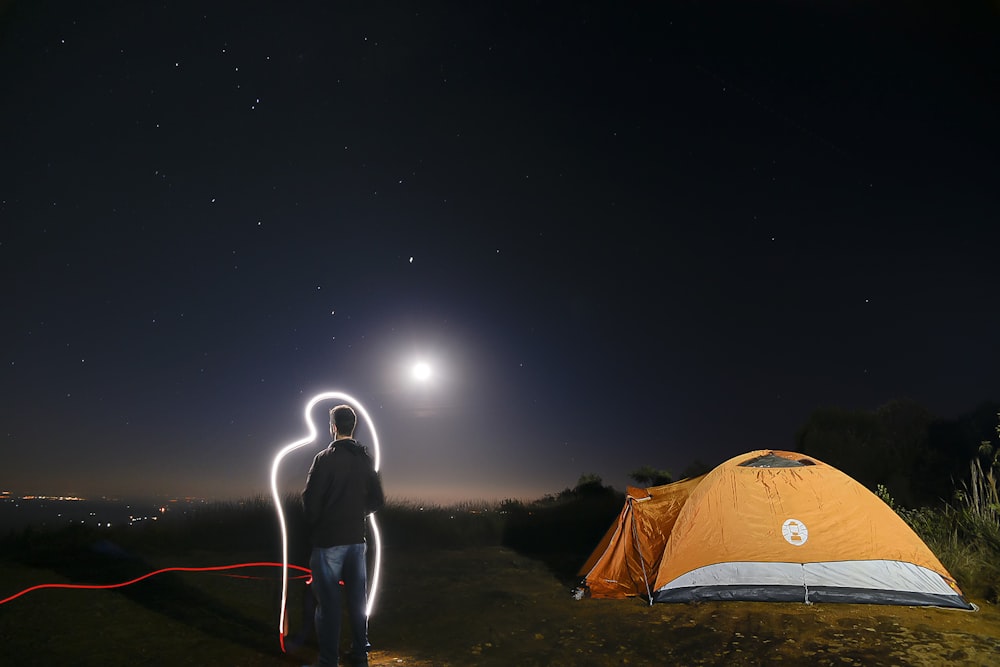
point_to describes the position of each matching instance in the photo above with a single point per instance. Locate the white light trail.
(377, 567)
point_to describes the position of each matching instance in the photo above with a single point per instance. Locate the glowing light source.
(377, 566)
(422, 371)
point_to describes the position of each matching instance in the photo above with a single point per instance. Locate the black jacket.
(341, 490)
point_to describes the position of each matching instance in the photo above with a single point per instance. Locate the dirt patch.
(475, 607)
(496, 607)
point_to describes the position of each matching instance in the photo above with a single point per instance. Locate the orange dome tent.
(769, 526)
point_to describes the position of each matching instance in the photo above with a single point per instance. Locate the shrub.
(965, 535)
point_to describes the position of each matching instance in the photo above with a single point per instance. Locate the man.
(341, 490)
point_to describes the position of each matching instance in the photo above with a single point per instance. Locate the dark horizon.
(978, 420)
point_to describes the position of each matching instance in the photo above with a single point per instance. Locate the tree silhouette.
(647, 475)
(695, 468)
(887, 446)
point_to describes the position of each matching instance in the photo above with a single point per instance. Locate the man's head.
(342, 421)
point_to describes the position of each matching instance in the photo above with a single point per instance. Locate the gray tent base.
(809, 595)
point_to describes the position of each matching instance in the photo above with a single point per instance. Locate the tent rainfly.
(768, 526)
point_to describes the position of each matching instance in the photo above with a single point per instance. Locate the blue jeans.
(330, 566)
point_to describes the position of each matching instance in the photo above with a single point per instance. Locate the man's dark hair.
(344, 419)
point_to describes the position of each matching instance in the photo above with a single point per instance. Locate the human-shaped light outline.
(376, 569)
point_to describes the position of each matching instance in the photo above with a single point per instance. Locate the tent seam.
(642, 561)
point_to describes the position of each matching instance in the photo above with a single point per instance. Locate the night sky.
(620, 233)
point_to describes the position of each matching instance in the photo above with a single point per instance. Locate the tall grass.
(975, 538)
(965, 534)
(980, 506)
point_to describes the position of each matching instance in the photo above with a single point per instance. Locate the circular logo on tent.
(795, 532)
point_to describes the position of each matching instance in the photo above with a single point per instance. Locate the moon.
(421, 371)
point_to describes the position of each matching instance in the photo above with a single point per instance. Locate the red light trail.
(213, 568)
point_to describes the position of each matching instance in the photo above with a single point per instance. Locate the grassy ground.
(483, 606)
(459, 588)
